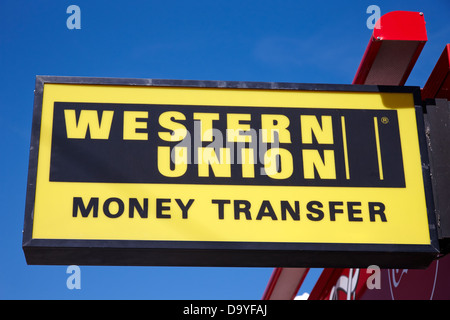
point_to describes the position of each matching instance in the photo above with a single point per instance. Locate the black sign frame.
(227, 254)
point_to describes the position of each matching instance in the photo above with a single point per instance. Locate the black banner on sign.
(186, 144)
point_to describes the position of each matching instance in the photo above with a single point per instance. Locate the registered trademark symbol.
(384, 120)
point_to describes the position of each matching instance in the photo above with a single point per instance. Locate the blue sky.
(281, 41)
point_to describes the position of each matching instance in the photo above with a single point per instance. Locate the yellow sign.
(171, 163)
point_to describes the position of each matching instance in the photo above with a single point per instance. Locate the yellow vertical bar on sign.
(344, 142)
(377, 140)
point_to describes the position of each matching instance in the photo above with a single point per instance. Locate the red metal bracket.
(396, 43)
(438, 84)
